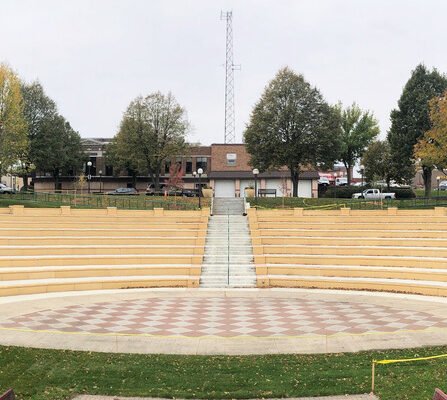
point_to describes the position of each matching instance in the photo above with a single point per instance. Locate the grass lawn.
(54, 374)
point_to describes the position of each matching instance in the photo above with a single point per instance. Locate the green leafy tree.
(59, 149)
(431, 149)
(119, 155)
(13, 139)
(38, 110)
(411, 120)
(292, 126)
(377, 162)
(153, 130)
(359, 128)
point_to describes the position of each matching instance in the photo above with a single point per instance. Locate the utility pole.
(229, 132)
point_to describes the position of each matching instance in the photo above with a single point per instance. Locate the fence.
(101, 201)
(354, 204)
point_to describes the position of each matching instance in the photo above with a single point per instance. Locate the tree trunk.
(56, 179)
(25, 181)
(348, 172)
(157, 180)
(151, 176)
(426, 174)
(295, 176)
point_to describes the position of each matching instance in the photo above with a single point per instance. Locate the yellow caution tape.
(408, 359)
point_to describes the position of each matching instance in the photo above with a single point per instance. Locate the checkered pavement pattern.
(225, 317)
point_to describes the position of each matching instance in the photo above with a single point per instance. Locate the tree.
(377, 162)
(431, 149)
(13, 140)
(411, 120)
(359, 128)
(59, 148)
(175, 180)
(119, 155)
(152, 131)
(292, 126)
(38, 110)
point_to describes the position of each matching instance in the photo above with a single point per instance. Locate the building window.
(202, 162)
(231, 159)
(188, 166)
(109, 170)
(167, 166)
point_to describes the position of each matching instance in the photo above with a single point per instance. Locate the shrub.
(403, 193)
(343, 192)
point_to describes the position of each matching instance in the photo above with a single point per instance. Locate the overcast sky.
(94, 56)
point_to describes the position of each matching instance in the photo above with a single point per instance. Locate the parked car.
(383, 184)
(324, 181)
(190, 192)
(164, 190)
(443, 185)
(6, 189)
(342, 181)
(123, 191)
(373, 194)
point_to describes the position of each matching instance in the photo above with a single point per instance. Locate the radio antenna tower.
(230, 135)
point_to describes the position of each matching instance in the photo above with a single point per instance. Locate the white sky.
(94, 56)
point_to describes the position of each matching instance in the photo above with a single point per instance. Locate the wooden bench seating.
(439, 395)
(8, 395)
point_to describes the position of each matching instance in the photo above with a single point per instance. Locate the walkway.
(233, 321)
(228, 259)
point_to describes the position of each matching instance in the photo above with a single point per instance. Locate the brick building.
(231, 173)
(226, 170)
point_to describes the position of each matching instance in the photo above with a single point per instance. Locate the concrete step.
(20, 287)
(426, 287)
(228, 253)
(430, 274)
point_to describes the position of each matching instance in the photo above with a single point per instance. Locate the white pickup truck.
(373, 194)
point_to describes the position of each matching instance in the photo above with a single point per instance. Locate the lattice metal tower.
(230, 123)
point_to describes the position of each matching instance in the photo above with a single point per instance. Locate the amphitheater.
(188, 282)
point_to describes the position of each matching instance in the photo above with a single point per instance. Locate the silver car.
(6, 189)
(443, 185)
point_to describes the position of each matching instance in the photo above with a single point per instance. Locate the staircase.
(228, 259)
(228, 206)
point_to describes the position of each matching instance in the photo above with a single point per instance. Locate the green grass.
(101, 201)
(53, 374)
(336, 203)
(434, 193)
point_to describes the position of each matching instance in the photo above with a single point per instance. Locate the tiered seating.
(46, 250)
(385, 250)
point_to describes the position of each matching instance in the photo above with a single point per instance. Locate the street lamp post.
(89, 177)
(194, 174)
(438, 178)
(200, 172)
(256, 173)
(100, 181)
